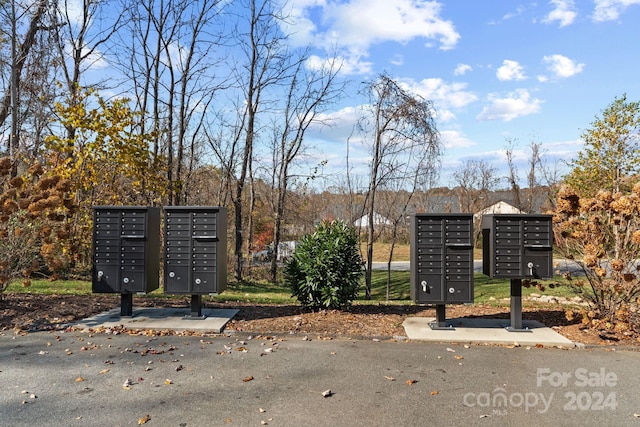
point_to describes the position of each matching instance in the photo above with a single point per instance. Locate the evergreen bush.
(326, 268)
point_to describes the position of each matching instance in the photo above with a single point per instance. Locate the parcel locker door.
(429, 289)
(105, 278)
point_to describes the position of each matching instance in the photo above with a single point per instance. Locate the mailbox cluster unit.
(442, 258)
(193, 250)
(127, 252)
(515, 246)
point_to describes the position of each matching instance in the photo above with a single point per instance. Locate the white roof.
(377, 220)
(499, 208)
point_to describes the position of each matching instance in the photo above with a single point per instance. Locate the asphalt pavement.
(110, 379)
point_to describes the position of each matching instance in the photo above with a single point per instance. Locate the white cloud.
(365, 22)
(510, 70)
(446, 97)
(452, 139)
(347, 65)
(561, 66)
(353, 26)
(517, 104)
(336, 126)
(397, 60)
(564, 12)
(610, 10)
(461, 69)
(519, 11)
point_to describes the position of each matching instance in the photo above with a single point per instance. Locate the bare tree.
(171, 65)
(80, 35)
(262, 64)
(14, 13)
(539, 175)
(310, 90)
(403, 132)
(473, 182)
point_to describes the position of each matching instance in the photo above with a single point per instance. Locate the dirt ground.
(30, 312)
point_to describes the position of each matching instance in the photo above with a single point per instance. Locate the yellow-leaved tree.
(106, 161)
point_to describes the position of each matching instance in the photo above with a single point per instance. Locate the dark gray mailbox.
(441, 260)
(195, 252)
(126, 251)
(517, 246)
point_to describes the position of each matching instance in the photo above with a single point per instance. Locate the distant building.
(500, 207)
(377, 220)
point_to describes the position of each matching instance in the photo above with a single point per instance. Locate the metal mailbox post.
(517, 246)
(126, 248)
(441, 261)
(195, 252)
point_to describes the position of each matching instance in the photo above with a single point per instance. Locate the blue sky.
(496, 70)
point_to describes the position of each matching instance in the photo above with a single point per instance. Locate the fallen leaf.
(179, 368)
(451, 350)
(79, 379)
(242, 349)
(327, 393)
(104, 371)
(128, 382)
(168, 381)
(144, 420)
(247, 379)
(410, 382)
(389, 378)
(459, 357)
(262, 410)
(434, 392)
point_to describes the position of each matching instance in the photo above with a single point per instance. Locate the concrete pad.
(177, 319)
(493, 331)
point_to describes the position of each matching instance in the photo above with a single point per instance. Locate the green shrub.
(326, 267)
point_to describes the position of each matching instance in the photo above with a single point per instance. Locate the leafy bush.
(326, 267)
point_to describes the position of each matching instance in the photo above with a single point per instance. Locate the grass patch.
(486, 290)
(258, 292)
(51, 287)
